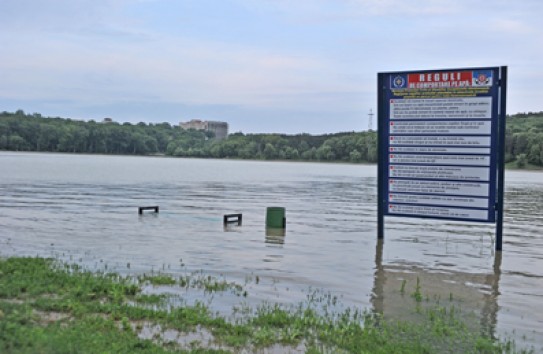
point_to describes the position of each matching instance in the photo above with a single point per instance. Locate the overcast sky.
(286, 66)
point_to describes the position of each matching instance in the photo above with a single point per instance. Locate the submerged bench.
(227, 219)
(141, 209)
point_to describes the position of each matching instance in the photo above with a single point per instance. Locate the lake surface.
(84, 209)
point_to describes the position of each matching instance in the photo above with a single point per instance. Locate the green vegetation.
(48, 307)
(24, 132)
(524, 141)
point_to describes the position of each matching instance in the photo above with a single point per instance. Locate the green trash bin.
(275, 218)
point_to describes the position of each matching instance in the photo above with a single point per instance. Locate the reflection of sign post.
(391, 303)
(441, 137)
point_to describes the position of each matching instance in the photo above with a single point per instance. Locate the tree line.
(32, 132)
(524, 140)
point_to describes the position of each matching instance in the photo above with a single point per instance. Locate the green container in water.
(275, 217)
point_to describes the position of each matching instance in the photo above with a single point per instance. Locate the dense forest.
(524, 140)
(32, 132)
(24, 132)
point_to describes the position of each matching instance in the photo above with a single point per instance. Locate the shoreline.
(531, 168)
(52, 305)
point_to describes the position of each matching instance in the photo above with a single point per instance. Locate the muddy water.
(84, 209)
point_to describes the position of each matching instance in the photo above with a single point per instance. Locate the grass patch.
(49, 307)
(196, 280)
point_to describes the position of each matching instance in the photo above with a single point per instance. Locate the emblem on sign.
(399, 82)
(482, 78)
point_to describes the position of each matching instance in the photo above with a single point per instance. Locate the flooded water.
(84, 209)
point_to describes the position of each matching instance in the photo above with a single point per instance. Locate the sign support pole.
(381, 154)
(501, 156)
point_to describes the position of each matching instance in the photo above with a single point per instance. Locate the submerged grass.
(195, 280)
(49, 307)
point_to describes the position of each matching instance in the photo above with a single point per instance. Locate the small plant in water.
(402, 289)
(417, 295)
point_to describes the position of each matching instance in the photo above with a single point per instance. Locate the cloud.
(404, 8)
(164, 67)
(510, 27)
(56, 14)
(334, 11)
(303, 58)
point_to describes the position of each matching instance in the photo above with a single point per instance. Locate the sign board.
(439, 151)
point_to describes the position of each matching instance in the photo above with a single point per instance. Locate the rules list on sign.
(438, 147)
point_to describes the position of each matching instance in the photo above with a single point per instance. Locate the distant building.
(107, 120)
(194, 124)
(220, 129)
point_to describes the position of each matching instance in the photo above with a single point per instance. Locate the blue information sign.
(438, 143)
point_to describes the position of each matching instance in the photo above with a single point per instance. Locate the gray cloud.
(320, 60)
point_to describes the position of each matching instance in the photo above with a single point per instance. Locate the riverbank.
(24, 132)
(508, 166)
(58, 308)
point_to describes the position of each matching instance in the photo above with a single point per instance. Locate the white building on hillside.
(220, 129)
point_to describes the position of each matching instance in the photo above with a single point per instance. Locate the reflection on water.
(476, 294)
(275, 236)
(85, 209)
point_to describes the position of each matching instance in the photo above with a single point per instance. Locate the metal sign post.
(441, 145)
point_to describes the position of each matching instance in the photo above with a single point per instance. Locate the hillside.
(524, 140)
(25, 132)
(32, 132)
